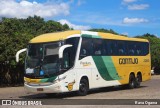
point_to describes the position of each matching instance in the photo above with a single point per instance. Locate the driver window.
(70, 53)
(86, 47)
(66, 60)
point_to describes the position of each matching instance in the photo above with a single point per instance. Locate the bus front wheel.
(83, 87)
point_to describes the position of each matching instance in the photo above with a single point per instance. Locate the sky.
(128, 17)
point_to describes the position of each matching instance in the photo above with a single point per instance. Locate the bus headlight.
(59, 79)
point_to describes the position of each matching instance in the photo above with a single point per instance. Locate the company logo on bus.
(128, 60)
(70, 85)
(85, 63)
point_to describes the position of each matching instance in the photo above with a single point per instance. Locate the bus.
(82, 60)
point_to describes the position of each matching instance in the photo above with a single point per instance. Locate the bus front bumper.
(37, 88)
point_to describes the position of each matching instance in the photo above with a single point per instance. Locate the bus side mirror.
(62, 48)
(18, 53)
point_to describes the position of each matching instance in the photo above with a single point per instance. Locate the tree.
(52, 26)
(66, 27)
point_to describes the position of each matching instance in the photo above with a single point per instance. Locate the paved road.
(148, 90)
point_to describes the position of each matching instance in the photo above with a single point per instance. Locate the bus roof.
(50, 37)
(120, 37)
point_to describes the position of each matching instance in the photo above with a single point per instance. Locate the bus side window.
(146, 48)
(114, 47)
(70, 53)
(137, 48)
(97, 47)
(131, 50)
(143, 48)
(109, 46)
(86, 47)
(121, 48)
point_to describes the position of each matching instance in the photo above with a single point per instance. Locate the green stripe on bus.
(48, 79)
(102, 68)
(90, 36)
(110, 67)
(106, 67)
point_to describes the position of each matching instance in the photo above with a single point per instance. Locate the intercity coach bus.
(82, 60)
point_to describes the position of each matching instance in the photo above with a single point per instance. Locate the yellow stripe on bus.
(29, 80)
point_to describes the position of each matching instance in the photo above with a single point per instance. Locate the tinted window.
(112, 47)
(125, 48)
(145, 48)
(131, 48)
(35, 50)
(86, 47)
(138, 48)
(70, 53)
(107, 47)
(98, 47)
(121, 48)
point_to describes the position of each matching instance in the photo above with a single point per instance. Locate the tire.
(83, 87)
(132, 82)
(138, 81)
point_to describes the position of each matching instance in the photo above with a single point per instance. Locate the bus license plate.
(39, 89)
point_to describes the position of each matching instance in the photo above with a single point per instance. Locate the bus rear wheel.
(83, 87)
(138, 80)
(132, 81)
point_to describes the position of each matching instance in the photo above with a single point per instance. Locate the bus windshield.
(42, 59)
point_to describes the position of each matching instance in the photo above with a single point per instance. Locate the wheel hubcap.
(82, 87)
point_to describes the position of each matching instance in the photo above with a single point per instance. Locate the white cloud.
(128, 1)
(131, 6)
(134, 20)
(24, 8)
(138, 7)
(76, 27)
